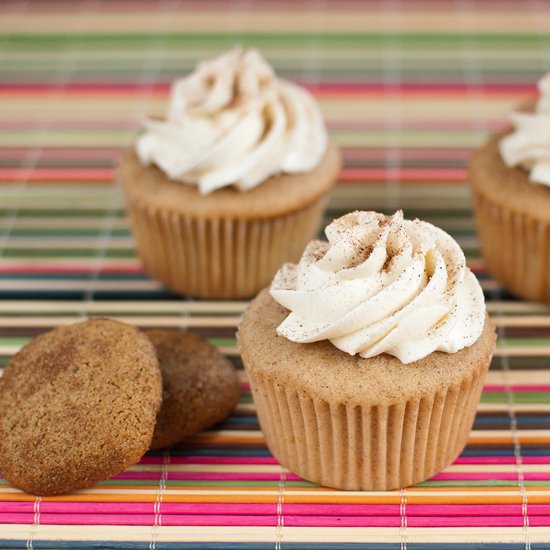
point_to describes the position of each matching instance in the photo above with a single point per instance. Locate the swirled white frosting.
(529, 144)
(232, 122)
(382, 284)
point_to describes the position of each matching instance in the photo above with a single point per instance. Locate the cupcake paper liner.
(516, 248)
(356, 447)
(219, 257)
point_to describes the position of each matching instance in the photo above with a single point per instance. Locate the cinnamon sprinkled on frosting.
(382, 284)
(233, 122)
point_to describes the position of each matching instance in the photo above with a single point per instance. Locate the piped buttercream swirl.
(382, 284)
(233, 122)
(529, 144)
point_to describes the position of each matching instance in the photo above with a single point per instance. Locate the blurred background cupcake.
(510, 176)
(232, 182)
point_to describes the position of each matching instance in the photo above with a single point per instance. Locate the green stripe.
(520, 397)
(61, 253)
(225, 342)
(206, 483)
(527, 362)
(7, 341)
(505, 342)
(63, 212)
(348, 39)
(67, 233)
(482, 483)
(203, 483)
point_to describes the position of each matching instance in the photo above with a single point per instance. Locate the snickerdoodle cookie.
(200, 385)
(77, 405)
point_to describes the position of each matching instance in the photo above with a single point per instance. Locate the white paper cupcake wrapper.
(515, 247)
(366, 448)
(219, 257)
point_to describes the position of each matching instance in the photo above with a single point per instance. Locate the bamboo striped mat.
(408, 90)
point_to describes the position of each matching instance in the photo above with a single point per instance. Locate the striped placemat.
(408, 89)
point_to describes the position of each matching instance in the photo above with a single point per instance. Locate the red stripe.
(57, 174)
(321, 91)
(518, 387)
(348, 175)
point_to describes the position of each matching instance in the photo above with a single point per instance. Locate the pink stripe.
(290, 520)
(57, 174)
(501, 460)
(209, 476)
(347, 174)
(209, 460)
(276, 6)
(464, 476)
(204, 508)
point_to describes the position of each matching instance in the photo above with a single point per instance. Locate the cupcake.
(510, 177)
(232, 182)
(366, 359)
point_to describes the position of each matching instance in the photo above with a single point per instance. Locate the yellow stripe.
(268, 534)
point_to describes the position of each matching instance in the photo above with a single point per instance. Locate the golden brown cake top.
(281, 194)
(331, 374)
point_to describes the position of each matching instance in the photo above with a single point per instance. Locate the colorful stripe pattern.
(408, 90)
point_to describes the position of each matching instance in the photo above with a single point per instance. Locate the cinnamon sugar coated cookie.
(200, 386)
(77, 406)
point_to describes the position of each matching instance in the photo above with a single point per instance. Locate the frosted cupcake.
(367, 358)
(233, 181)
(510, 176)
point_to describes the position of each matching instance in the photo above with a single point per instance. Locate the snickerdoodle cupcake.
(232, 182)
(510, 177)
(367, 358)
